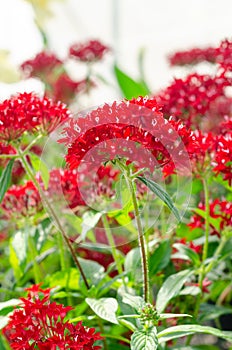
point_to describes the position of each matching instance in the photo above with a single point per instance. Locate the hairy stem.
(141, 239)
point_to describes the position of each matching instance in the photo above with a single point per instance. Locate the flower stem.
(141, 238)
(203, 270)
(111, 241)
(29, 171)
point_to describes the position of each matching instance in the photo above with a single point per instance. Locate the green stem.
(36, 269)
(111, 242)
(62, 251)
(142, 241)
(203, 270)
(29, 171)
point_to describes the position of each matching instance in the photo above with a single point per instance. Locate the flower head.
(41, 65)
(189, 99)
(139, 121)
(220, 210)
(193, 56)
(21, 201)
(40, 324)
(90, 51)
(223, 157)
(65, 89)
(29, 112)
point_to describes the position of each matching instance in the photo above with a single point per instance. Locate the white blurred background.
(159, 27)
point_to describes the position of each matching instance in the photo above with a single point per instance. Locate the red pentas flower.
(204, 152)
(29, 112)
(41, 65)
(193, 56)
(65, 183)
(65, 89)
(21, 201)
(40, 324)
(224, 55)
(89, 51)
(189, 99)
(133, 123)
(223, 157)
(220, 210)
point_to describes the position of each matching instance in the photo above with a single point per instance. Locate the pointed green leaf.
(164, 196)
(171, 288)
(39, 166)
(144, 339)
(169, 315)
(5, 179)
(136, 302)
(183, 330)
(90, 220)
(129, 87)
(105, 308)
(160, 258)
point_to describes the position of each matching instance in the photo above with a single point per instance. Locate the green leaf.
(130, 88)
(183, 330)
(39, 166)
(64, 279)
(212, 312)
(133, 265)
(90, 220)
(144, 339)
(136, 302)
(171, 288)
(18, 253)
(164, 196)
(196, 347)
(169, 315)
(41, 233)
(160, 258)
(7, 306)
(5, 179)
(3, 322)
(105, 308)
(94, 272)
(188, 253)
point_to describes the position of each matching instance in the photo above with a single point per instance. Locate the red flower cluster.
(205, 285)
(189, 99)
(223, 157)
(129, 121)
(221, 210)
(224, 55)
(21, 201)
(40, 324)
(193, 56)
(41, 65)
(212, 153)
(90, 51)
(29, 112)
(65, 89)
(65, 182)
(221, 55)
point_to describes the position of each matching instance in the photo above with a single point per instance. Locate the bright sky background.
(159, 26)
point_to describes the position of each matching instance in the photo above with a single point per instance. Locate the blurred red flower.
(89, 51)
(219, 209)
